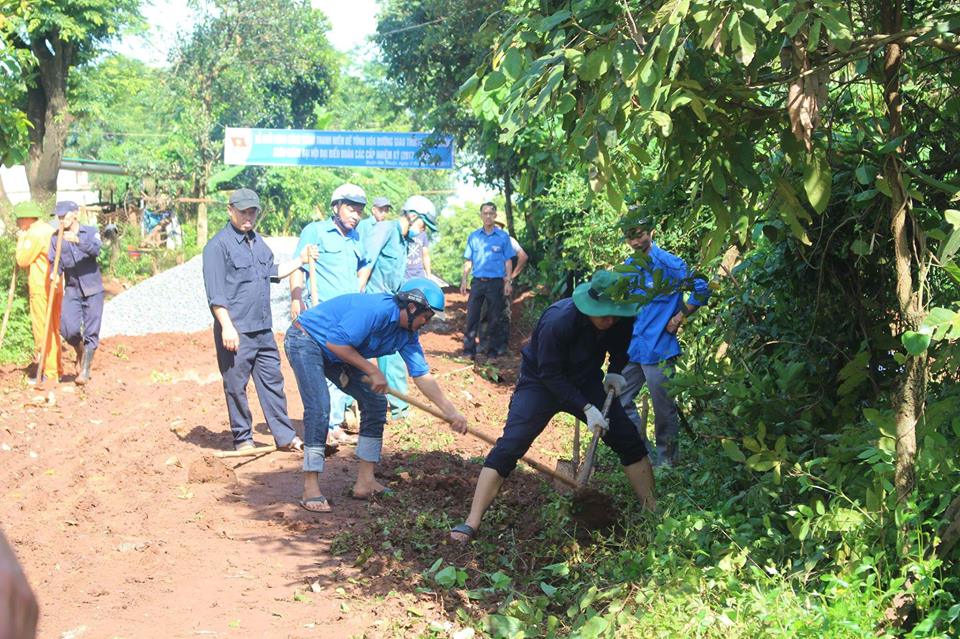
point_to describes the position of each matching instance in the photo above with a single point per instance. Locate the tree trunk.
(201, 193)
(202, 224)
(528, 215)
(47, 110)
(508, 204)
(909, 397)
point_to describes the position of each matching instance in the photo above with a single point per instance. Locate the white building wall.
(71, 185)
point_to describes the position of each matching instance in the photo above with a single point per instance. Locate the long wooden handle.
(6, 312)
(584, 473)
(313, 282)
(54, 286)
(543, 468)
(246, 452)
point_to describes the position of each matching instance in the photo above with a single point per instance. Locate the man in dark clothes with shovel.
(561, 371)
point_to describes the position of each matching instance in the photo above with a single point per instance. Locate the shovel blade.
(565, 468)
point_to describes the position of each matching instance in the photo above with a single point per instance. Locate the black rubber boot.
(84, 375)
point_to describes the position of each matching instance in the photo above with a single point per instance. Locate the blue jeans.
(665, 420)
(312, 371)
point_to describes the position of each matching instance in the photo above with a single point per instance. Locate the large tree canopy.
(44, 41)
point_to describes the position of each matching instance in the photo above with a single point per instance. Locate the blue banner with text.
(376, 149)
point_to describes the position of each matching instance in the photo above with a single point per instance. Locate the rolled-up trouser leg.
(373, 410)
(306, 360)
(665, 420)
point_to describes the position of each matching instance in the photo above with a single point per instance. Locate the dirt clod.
(593, 509)
(208, 470)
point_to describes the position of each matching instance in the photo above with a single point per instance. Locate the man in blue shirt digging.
(654, 347)
(335, 341)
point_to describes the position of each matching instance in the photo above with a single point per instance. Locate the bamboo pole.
(51, 296)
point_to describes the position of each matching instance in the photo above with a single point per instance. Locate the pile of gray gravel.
(174, 301)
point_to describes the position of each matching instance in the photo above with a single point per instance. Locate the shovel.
(568, 467)
(584, 475)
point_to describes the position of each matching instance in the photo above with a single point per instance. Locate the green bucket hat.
(27, 209)
(591, 298)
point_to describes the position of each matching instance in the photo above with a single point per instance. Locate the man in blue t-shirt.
(660, 279)
(335, 341)
(487, 254)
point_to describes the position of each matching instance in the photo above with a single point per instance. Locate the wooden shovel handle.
(54, 287)
(543, 468)
(313, 281)
(584, 473)
(246, 452)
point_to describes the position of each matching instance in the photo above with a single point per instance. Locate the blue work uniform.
(336, 266)
(237, 270)
(386, 251)
(489, 254)
(561, 370)
(364, 227)
(369, 324)
(335, 269)
(653, 350)
(82, 309)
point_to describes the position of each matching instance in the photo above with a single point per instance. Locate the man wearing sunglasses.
(237, 270)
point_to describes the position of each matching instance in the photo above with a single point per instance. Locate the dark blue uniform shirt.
(237, 270)
(566, 351)
(79, 261)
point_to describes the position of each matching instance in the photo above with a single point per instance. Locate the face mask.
(411, 234)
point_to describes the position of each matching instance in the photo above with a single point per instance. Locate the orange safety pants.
(53, 367)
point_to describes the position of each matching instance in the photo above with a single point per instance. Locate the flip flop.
(464, 529)
(386, 492)
(321, 500)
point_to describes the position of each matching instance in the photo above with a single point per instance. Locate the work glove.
(614, 382)
(595, 421)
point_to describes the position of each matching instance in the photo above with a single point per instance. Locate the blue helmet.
(425, 293)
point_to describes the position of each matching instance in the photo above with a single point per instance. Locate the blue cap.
(62, 208)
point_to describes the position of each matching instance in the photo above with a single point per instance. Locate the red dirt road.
(117, 542)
